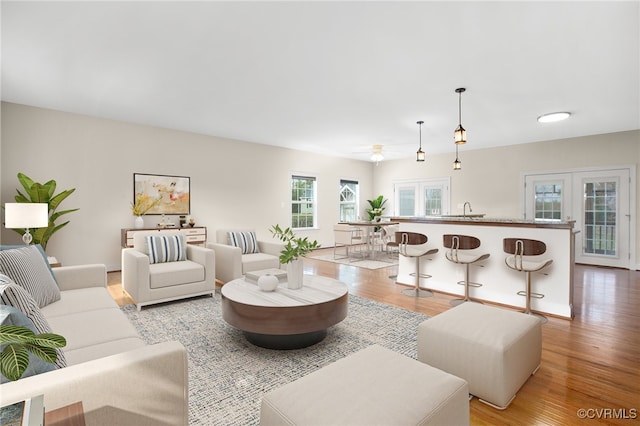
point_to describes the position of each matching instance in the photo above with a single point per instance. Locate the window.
(303, 202)
(428, 197)
(548, 203)
(348, 200)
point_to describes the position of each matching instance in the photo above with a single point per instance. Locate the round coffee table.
(285, 318)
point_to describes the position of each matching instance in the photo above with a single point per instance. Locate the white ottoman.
(374, 386)
(495, 350)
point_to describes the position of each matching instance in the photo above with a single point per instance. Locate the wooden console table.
(196, 235)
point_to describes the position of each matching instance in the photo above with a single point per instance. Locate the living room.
(236, 183)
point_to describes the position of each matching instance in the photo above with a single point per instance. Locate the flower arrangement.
(377, 207)
(294, 247)
(143, 204)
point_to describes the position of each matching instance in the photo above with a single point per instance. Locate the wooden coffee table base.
(285, 341)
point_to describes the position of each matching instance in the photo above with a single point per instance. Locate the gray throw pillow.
(27, 268)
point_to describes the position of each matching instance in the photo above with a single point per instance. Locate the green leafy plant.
(377, 207)
(20, 341)
(36, 192)
(294, 247)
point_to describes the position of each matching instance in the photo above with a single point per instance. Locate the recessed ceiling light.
(553, 117)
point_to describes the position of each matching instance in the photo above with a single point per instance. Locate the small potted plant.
(141, 206)
(294, 249)
(20, 341)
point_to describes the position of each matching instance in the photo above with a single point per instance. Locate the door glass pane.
(600, 213)
(406, 202)
(548, 202)
(432, 201)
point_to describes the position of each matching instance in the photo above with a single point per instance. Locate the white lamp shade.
(26, 215)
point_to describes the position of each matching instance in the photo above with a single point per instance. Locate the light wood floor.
(591, 363)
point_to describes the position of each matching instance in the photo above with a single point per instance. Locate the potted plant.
(142, 204)
(377, 208)
(43, 193)
(20, 341)
(294, 249)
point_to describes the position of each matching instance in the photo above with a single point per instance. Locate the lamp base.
(27, 237)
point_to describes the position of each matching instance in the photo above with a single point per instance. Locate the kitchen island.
(500, 284)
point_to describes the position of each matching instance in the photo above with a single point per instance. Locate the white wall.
(491, 179)
(233, 183)
(236, 184)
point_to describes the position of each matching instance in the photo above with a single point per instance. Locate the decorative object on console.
(268, 282)
(25, 216)
(141, 205)
(294, 249)
(173, 192)
(43, 193)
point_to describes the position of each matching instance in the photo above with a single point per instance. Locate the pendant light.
(457, 165)
(420, 156)
(460, 134)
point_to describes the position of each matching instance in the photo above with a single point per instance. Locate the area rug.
(360, 263)
(228, 375)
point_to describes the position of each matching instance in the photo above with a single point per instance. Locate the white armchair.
(148, 282)
(232, 263)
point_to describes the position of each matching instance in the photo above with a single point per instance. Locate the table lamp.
(26, 215)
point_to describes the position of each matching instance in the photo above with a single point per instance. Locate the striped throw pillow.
(27, 268)
(12, 294)
(166, 248)
(246, 241)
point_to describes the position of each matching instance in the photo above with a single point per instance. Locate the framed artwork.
(168, 194)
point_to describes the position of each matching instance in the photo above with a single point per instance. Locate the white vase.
(268, 282)
(295, 274)
(138, 223)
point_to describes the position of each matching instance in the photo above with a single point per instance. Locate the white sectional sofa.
(119, 379)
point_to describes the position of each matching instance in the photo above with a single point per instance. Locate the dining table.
(369, 226)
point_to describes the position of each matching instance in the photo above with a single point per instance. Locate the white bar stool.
(412, 245)
(458, 246)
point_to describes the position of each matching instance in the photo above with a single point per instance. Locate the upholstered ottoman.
(374, 386)
(495, 350)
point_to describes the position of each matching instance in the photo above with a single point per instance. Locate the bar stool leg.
(467, 284)
(528, 295)
(417, 291)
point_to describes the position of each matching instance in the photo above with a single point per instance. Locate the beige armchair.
(153, 275)
(232, 263)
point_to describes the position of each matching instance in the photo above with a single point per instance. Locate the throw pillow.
(12, 294)
(166, 248)
(28, 269)
(40, 249)
(13, 316)
(246, 241)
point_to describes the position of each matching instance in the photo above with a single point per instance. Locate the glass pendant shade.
(460, 135)
(457, 165)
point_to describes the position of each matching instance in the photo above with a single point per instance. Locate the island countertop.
(499, 283)
(476, 220)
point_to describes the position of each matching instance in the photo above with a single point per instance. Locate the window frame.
(355, 203)
(314, 203)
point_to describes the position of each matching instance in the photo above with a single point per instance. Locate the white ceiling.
(332, 77)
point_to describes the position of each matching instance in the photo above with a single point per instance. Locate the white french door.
(598, 200)
(422, 198)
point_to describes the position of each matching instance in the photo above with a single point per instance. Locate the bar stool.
(457, 245)
(521, 249)
(411, 245)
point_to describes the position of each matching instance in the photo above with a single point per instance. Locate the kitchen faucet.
(464, 209)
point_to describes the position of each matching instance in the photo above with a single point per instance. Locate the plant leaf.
(15, 334)
(45, 354)
(49, 340)
(14, 360)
